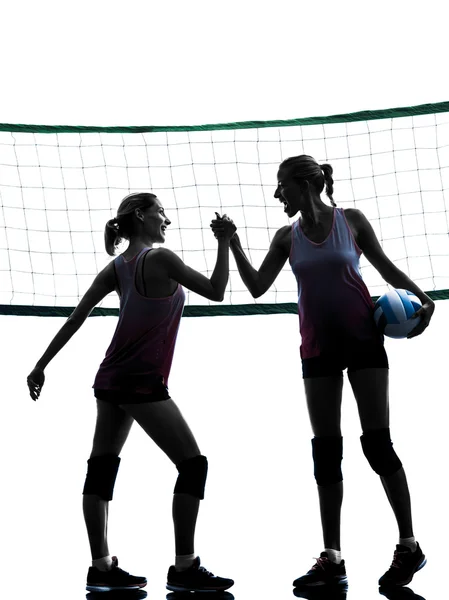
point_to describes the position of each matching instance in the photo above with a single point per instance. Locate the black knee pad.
(192, 477)
(378, 449)
(327, 456)
(101, 475)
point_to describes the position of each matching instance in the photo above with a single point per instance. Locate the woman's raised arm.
(258, 282)
(212, 288)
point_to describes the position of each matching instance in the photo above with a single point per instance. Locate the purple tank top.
(334, 304)
(141, 351)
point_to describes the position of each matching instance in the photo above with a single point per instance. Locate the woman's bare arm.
(212, 288)
(258, 282)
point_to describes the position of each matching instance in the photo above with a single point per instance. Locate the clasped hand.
(223, 227)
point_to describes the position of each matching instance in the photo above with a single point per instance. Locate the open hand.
(35, 381)
(425, 312)
(223, 227)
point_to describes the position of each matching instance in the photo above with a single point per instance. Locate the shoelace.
(205, 572)
(396, 564)
(117, 571)
(319, 562)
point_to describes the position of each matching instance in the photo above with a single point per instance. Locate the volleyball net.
(60, 184)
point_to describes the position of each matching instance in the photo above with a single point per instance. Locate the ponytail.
(329, 182)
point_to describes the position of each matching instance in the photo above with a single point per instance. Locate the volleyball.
(393, 312)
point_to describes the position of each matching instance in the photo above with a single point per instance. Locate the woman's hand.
(425, 312)
(35, 381)
(223, 227)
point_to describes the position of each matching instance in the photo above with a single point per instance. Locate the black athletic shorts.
(353, 356)
(159, 393)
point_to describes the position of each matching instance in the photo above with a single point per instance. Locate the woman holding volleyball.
(131, 384)
(338, 331)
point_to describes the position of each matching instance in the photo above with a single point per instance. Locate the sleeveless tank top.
(141, 351)
(334, 305)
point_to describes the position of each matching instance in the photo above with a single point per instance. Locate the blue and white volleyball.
(393, 312)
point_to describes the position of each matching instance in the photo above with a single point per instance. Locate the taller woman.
(131, 384)
(338, 332)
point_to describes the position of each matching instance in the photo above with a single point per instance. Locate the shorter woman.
(131, 384)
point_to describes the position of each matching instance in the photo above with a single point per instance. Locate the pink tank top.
(334, 305)
(141, 351)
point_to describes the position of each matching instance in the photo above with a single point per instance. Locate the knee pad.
(327, 455)
(192, 477)
(378, 449)
(101, 475)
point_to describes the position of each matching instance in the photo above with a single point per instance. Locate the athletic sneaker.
(323, 572)
(405, 564)
(196, 579)
(115, 579)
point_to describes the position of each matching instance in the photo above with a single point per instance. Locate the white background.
(236, 379)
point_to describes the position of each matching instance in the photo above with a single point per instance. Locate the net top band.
(365, 115)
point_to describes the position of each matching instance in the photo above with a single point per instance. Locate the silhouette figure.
(338, 332)
(131, 384)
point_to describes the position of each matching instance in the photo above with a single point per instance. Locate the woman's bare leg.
(324, 396)
(166, 426)
(111, 431)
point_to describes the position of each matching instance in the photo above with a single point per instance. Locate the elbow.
(256, 291)
(215, 295)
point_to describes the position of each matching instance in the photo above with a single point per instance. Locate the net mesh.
(58, 188)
